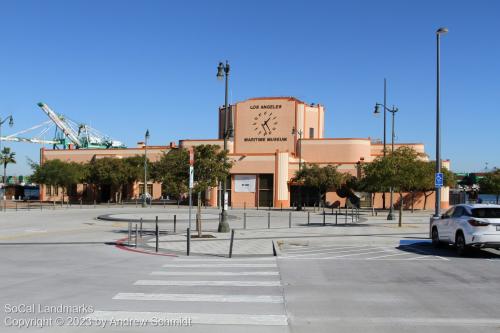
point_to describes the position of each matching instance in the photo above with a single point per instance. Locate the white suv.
(468, 225)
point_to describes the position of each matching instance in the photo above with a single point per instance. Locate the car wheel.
(460, 244)
(435, 238)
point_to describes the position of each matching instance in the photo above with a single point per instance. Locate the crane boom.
(68, 131)
(18, 139)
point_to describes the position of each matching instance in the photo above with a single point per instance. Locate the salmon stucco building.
(270, 137)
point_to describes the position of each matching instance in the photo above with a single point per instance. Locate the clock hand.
(265, 131)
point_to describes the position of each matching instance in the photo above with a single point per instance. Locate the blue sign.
(438, 181)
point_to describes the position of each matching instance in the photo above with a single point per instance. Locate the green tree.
(59, 173)
(323, 179)
(7, 157)
(115, 173)
(490, 183)
(172, 170)
(374, 179)
(210, 166)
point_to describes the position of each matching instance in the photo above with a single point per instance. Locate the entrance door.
(266, 190)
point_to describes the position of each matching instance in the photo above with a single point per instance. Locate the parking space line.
(389, 255)
(326, 248)
(334, 252)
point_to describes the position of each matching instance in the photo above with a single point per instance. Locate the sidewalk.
(257, 239)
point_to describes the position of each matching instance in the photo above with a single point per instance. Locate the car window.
(449, 212)
(486, 213)
(459, 211)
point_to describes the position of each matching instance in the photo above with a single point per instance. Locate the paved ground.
(355, 277)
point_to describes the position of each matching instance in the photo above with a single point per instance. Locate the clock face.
(264, 123)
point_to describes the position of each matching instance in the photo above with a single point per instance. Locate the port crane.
(67, 133)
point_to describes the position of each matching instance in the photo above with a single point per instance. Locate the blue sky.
(124, 66)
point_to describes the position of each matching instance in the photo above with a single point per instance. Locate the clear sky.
(123, 66)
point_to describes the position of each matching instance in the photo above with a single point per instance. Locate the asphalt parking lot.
(403, 288)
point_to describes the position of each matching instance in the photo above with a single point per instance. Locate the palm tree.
(6, 157)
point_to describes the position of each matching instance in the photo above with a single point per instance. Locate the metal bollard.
(231, 244)
(41, 206)
(175, 223)
(129, 233)
(16, 206)
(141, 227)
(352, 214)
(94, 203)
(290, 220)
(29, 205)
(336, 216)
(345, 220)
(164, 203)
(108, 203)
(80, 203)
(157, 234)
(324, 217)
(268, 220)
(281, 206)
(136, 235)
(188, 240)
(245, 205)
(54, 206)
(308, 218)
(244, 220)
(135, 203)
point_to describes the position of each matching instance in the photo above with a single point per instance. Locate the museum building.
(270, 136)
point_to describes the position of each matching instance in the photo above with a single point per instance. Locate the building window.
(48, 190)
(56, 190)
(311, 133)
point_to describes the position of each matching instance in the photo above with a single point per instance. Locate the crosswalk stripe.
(224, 259)
(209, 283)
(200, 298)
(201, 273)
(195, 318)
(218, 265)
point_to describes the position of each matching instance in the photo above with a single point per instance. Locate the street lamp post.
(11, 123)
(299, 132)
(439, 32)
(394, 109)
(223, 72)
(146, 137)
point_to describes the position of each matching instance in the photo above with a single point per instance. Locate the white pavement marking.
(345, 251)
(390, 321)
(324, 249)
(200, 298)
(420, 251)
(225, 259)
(215, 273)
(390, 255)
(208, 283)
(219, 265)
(195, 318)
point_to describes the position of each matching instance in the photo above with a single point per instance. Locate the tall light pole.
(146, 137)
(299, 132)
(11, 123)
(394, 109)
(223, 72)
(439, 32)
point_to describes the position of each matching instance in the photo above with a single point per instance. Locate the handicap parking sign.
(438, 182)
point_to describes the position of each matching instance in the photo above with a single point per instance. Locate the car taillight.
(476, 223)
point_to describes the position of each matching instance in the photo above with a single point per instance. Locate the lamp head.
(220, 71)
(442, 31)
(377, 109)
(147, 134)
(11, 121)
(294, 130)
